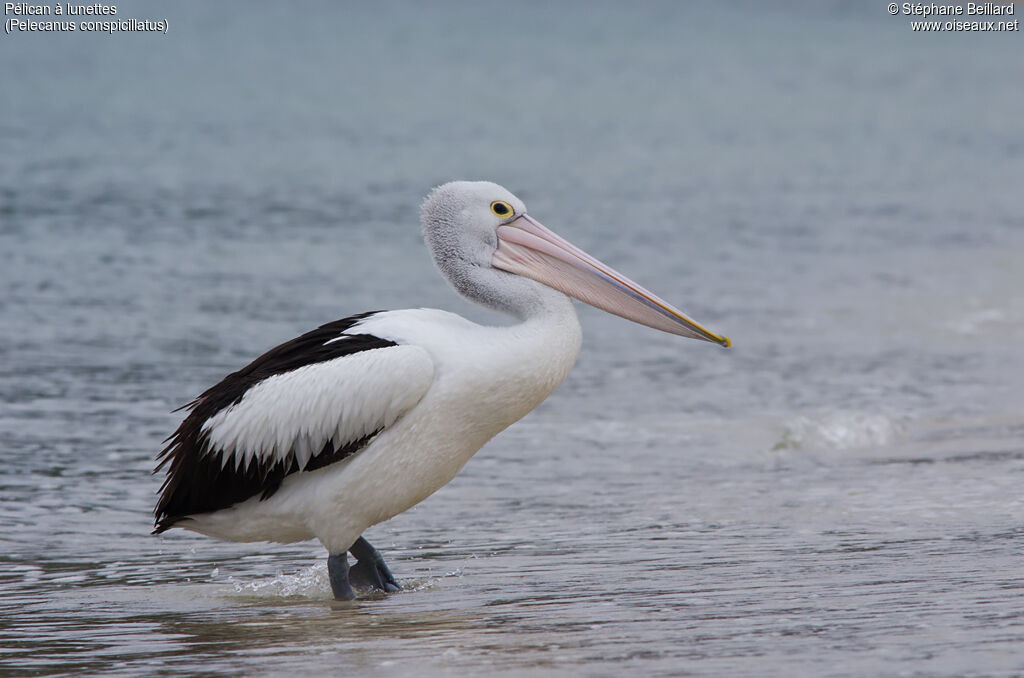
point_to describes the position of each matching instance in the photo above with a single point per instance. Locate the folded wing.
(311, 402)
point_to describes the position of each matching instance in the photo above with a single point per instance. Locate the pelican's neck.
(549, 303)
(535, 301)
(511, 294)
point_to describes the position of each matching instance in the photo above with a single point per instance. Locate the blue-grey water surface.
(839, 494)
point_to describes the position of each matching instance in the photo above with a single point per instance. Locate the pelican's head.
(479, 232)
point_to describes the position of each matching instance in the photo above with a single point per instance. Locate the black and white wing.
(307, 403)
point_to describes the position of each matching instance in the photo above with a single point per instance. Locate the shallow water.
(838, 494)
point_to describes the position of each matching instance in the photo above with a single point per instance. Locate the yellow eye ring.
(501, 209)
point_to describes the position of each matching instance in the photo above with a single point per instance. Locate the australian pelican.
(358, 420)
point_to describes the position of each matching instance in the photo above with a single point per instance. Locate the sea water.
(837, 494)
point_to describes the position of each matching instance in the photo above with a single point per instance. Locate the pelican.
(360, 419)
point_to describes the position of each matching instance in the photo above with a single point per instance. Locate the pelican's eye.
(501, 209)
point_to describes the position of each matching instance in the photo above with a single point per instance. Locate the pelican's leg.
(338, 572)
(370, 570)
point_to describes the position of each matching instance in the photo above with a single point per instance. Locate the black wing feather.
(198, 482)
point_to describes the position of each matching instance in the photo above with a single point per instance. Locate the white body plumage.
(447, 388)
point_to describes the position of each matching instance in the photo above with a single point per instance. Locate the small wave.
(313, 582)
(837, 431)
(978, 321)
(310, 582)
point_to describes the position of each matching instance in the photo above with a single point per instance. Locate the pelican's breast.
(485, 378)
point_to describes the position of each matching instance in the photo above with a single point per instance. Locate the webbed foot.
(370, 571)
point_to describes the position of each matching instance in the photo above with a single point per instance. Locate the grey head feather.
(461, 233)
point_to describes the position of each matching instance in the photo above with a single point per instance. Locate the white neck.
(508, 293)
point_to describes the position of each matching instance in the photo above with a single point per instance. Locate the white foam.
(975, 322)
(838, 431)
(310, 582)
(313, 582)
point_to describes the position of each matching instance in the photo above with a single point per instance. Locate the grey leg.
(370, 570)
(338, 571)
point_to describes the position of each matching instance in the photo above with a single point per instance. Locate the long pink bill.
(528, 248)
